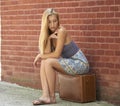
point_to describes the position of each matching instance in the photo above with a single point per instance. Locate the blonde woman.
(58, 52)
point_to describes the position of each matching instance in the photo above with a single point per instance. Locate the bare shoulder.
(62, 30)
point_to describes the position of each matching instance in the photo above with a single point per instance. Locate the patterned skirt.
(76, 64)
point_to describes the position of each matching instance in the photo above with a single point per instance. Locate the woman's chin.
(53, 31)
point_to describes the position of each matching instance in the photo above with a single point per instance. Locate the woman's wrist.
(42, 56)
(38, 56)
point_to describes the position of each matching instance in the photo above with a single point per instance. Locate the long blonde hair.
(44, 28)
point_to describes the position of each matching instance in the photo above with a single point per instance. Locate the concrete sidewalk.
(15, 95)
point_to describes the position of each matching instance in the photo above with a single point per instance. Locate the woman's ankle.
(46, 99)
(53, 99)
(45, 95)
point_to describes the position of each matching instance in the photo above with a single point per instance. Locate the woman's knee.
(42, 61)
(49, 62)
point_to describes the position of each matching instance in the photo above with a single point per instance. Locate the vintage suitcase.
(79, 88)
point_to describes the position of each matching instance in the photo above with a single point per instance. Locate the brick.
(9, 73)
(95, 9)
(105, 21)
(92, 15)
(114, 8)
(117, 40)
(86, 21)
(91, 39)
(104, 71)
(82, 15)
(100, 2)
(99, 52)
(100, 64)
(117, 14)
(117, 66)
(83, 3)
(100, 15)
(96, 58)
(114, 72)
(99, 27)
(110, 15)
(114, 21)
(110, 65)
(115, 59)
(91, 27)
(110, 53)
(114, 46)
(100, 39)
(117, 27)
(109, 2)
(113, 77)
(117, 53)
(114, 34)
(104, 83)
(86, 9)
(117, 2)
(95, 33)
(95, 21)
(91, 3)
(105, 8)
(104, 46)
(109, 40)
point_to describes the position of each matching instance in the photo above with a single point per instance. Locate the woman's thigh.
(55, 64)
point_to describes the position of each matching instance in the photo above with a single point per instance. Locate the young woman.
(58, 52)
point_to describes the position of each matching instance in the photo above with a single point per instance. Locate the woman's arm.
(48, 46)
(59, 46)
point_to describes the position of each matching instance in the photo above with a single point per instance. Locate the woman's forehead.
(52, 16)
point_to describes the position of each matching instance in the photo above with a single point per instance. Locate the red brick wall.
(93, 24)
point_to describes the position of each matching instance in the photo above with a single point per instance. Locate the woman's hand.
(53, 36)
(36, 60)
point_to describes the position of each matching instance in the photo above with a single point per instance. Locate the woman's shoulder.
(62, 30)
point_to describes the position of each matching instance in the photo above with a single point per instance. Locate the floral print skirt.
(76, 64)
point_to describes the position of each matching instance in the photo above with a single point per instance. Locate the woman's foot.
(42, 101)
(37, 102)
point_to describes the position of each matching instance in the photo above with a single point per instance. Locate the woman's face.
(53, 23)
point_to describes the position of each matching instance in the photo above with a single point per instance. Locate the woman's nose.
(52, 24)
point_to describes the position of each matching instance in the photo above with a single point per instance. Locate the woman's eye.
(54, 20)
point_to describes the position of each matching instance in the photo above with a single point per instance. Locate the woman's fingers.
(36, 60)
(53, 36)
(35, 63)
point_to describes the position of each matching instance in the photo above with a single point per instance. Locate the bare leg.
(48, 80)
(44, 82)
(51, 65)
(45, 94)
(51, 77)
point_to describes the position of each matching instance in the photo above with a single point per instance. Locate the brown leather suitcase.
(79, 88)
